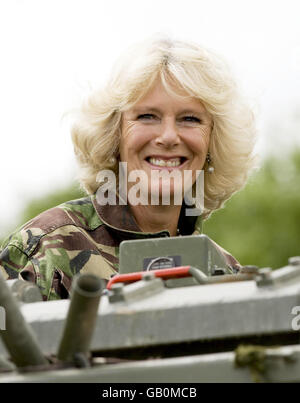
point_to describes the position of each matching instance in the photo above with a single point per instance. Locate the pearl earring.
(210, 169)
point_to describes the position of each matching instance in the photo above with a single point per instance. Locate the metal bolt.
(116, 293)
(148, 276)
(294, 261)
(265, 272)
(249, 269)
(117, 288)
(264, 277)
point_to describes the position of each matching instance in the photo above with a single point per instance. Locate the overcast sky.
(52, 52)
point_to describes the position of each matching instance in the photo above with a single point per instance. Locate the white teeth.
(174, 162)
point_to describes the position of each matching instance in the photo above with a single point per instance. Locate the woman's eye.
(192, 119)
(146, 116)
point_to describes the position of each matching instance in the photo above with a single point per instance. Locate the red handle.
(173, 272)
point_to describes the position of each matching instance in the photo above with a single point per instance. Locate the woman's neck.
(157, 218)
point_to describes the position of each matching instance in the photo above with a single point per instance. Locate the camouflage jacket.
(76, 236)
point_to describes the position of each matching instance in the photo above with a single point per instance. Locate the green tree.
(260, 224)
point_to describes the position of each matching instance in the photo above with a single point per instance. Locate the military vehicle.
(175, 313)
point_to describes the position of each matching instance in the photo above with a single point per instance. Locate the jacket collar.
(120, 218)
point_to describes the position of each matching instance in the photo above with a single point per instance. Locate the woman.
(169, 106)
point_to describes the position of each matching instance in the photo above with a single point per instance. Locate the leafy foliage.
(260, 225)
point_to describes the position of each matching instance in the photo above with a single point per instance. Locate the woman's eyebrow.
(150, 109)
(143, 109)
(194, 111)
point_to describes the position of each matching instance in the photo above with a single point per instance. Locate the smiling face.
(165, 132)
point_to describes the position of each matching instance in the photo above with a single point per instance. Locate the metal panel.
(175, 315)
(197, 250)
(218, 367)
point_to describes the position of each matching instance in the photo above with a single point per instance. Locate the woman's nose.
(168, 135)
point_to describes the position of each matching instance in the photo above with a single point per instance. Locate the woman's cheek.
(139, 137)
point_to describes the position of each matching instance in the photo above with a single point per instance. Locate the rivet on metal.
(294, 261)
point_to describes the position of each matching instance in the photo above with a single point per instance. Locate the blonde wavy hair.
(201, 74)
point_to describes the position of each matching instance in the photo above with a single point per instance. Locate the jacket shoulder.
(79, 213)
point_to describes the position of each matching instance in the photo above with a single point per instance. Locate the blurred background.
(54, 52)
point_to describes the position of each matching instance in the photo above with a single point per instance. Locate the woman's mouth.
(161, 162)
